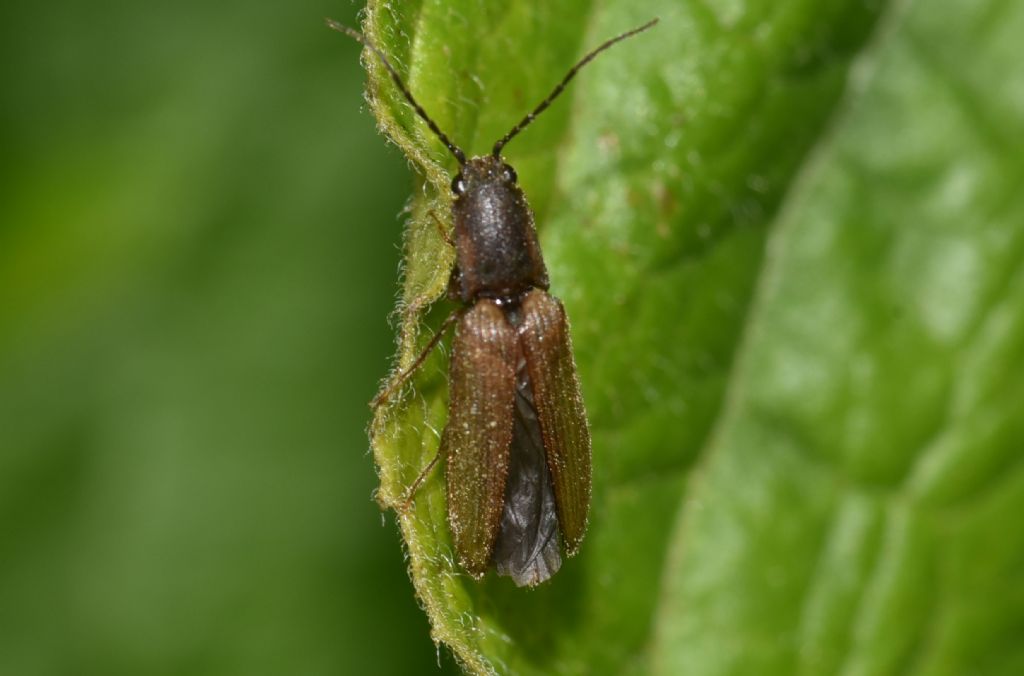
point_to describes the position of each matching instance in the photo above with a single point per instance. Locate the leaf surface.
(788, 239)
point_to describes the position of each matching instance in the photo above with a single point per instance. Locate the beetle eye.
(458, 185)
(510, 174)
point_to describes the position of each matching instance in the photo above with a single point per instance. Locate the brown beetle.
(517, 442)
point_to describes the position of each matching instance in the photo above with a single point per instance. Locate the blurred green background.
(199, 234)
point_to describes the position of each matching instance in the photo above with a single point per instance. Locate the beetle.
(517, 441)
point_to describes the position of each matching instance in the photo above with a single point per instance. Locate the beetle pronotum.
(517, 441)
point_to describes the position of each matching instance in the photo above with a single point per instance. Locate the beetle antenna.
(352, 33)
(525, 122)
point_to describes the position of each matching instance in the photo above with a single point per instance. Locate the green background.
(789, 236)
(199, 230)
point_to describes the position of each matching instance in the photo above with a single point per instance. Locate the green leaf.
(788, 238)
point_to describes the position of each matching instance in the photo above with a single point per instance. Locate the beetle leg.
(411, 492)
(399, 381)
(442, 229)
